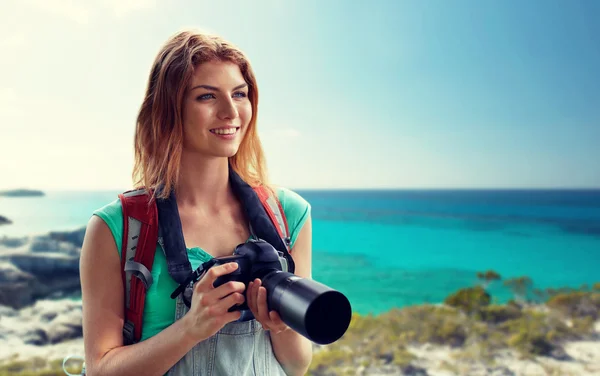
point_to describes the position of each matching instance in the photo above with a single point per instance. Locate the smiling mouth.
(225, 131)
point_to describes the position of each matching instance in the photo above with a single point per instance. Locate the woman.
(197, 120)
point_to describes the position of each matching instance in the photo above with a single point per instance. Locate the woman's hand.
(209, 307)
(257, 302)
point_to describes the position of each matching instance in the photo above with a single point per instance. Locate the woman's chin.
(215, 153)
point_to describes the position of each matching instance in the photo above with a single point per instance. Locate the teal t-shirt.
(159, 309)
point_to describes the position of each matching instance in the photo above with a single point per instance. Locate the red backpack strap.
(276, 213)
(140, 235)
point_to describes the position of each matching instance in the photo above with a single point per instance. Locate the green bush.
(576, 304)
(496, 314)
(469, 300)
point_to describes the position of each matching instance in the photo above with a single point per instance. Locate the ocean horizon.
(390, 248)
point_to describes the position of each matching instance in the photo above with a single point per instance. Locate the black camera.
(312, 309)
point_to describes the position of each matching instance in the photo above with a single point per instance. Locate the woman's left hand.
(256, 296)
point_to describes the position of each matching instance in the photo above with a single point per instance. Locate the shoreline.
(371, 346)
(468, 333)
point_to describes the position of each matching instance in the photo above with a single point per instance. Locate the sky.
(353, 94)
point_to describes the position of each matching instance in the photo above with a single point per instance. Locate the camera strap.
(194, 277)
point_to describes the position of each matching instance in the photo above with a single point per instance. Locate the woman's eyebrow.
(208, 87)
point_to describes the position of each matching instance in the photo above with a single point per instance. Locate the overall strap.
(140, 235)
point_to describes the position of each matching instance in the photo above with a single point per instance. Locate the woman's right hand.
(208, 311)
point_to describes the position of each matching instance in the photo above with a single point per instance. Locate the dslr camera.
(312, 309)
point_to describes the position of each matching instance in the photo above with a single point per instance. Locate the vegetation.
(37, 367)
(468, 321)
(488, 277)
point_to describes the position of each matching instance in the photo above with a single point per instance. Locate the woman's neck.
(203, 182)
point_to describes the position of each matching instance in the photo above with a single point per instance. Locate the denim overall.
(240, 348)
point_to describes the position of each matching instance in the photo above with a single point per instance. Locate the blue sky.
(353, 94)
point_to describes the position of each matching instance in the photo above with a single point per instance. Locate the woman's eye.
(240, 94)
(205, 96)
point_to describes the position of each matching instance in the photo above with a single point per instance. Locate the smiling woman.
(200, 164)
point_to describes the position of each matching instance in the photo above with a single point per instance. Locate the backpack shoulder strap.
(140, 235)
(275, 211)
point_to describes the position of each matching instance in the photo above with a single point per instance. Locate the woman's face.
(216, 110)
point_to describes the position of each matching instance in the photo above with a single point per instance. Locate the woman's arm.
(102, 297)
(292, 350)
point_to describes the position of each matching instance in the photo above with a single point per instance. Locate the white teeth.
(224, 131)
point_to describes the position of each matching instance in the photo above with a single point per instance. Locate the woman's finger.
(221, 307)
(277, 325)
(209, 278)
(263, 315)
(254, 293)
(250, 296)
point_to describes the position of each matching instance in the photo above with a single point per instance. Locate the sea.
(388, 249)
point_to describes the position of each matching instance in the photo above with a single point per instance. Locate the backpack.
(140, 237)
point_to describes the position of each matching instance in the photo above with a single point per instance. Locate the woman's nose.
(228, 110)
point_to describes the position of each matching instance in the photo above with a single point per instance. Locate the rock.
(63, 332)
(500, 371)
(411, 370)
(16, 287)
(4, 221)
(36, 337)
(8, 311)
(559, 353)
(44, 323)
(38, 267)
(22, 193)
(387, 357)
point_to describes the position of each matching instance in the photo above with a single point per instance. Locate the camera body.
(312, 309)
(255, 259)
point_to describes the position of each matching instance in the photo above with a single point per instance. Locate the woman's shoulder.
(112, 215)
(291, 200)
(296, 208)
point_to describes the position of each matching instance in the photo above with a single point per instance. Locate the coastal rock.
(500, 371)
(38, 267)
(411, 370)
(46, 322)
(22, 193)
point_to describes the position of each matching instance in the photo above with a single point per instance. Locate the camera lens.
(313, 309)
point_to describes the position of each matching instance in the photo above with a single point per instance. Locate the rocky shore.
(4, 221)
(558, 333)
(39, 267)
(22, 193)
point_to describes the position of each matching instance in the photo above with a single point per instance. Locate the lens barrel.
(312, 309)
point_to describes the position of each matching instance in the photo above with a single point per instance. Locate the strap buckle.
(128, 333)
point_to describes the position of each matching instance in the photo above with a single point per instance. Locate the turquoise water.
(387, 249)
